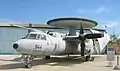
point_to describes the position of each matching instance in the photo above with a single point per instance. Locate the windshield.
(25, 36)
(31, 36)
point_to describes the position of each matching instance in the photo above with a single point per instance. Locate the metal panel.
(8, 35)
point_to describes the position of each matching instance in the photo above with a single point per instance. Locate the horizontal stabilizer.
(33, 30)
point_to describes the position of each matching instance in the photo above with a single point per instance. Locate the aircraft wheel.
(47, 57)
(87, 58)
(29, 65)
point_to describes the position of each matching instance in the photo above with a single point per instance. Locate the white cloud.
(95, 11)
(111, 24)
(101, 9)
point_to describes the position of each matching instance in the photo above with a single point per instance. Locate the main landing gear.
(47, 57)
(87, 58)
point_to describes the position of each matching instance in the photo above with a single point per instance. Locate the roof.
(7, 24)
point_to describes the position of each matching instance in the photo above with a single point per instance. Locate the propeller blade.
(95, 35)
(82, 48)
(81, 29)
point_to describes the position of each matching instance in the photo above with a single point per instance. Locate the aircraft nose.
(15, 45)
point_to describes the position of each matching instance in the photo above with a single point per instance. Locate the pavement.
(56, 63)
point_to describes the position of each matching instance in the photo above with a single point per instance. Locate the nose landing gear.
(26, 60)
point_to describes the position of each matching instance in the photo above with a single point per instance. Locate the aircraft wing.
(31, 29)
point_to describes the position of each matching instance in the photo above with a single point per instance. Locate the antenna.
(30, 25)
(105, 29)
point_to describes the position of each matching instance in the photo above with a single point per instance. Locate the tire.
(47, 57)
(29, 65)
(87, 58)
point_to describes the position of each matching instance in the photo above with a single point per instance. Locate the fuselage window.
(43, 37)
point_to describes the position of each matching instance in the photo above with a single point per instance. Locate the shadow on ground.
(54, 61)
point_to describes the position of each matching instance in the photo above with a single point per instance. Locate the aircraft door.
(51, 45)
(44, 42)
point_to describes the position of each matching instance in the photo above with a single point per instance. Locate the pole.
(117, 66)
(117, 60)
(30, 25)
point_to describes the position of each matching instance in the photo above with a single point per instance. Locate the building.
(10, 34)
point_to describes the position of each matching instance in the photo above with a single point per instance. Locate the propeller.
(83, 37)
(81, 29)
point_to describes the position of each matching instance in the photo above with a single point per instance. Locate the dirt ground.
(59, 63)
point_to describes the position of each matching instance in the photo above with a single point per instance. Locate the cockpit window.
(25, 36)
(32, 36)
(35, 36)
(38, 37)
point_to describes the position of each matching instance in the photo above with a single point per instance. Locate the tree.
(114, 39)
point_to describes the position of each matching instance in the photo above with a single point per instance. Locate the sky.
(105, 12)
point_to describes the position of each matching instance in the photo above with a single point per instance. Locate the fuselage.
(39, 43)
